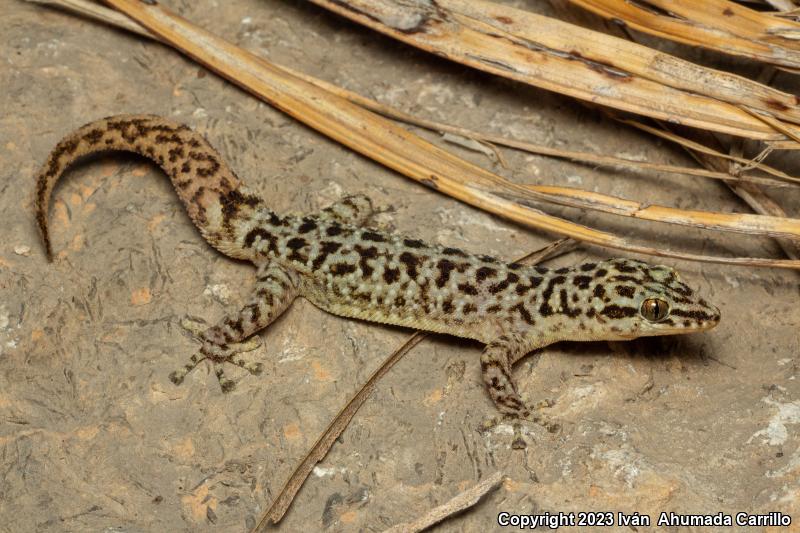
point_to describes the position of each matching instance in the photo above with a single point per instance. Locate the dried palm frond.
(783, 6)
(410, 155)
(715, 24)
(595, 67)
(706, 148)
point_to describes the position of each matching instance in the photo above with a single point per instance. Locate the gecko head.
(639, 300)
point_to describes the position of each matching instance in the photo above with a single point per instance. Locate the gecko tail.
(213, 196)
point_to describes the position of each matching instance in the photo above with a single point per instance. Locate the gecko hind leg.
(218, 357)
(355, 209)
(275, 289)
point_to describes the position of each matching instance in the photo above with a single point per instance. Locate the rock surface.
(94, 437)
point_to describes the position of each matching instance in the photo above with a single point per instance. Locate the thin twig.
(694, 146)
(324, 443)
(463, 501)
(721, 25)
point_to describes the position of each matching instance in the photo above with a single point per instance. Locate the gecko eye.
(654, 309)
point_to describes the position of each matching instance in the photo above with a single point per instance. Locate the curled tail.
(213, 196)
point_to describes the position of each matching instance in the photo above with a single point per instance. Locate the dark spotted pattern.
(469, 290)
(340, 269)
(365, 255)
(617, 311)
(326, 248)
(391, 275)
(445, 267)
(626, 291)
(411, 262)
(484, 273)
(264, 235)
(342, 266)
(454, 251)
(307, 225)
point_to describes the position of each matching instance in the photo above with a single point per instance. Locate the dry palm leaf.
(781, 5)
(750, 193)
(781, 179)
(559, 56)
(619, 206)
(395, 147)
(702, 145)
(716, 24)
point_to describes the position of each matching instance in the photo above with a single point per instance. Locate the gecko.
(335, 259)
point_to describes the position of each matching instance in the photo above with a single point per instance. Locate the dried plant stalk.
(574, 61)
(719, 25)
(109, 16)
(735, 222)
(458, 504)
(782, 5)
(325, 442)
(380, 139)
(703, 145)
(781, 178)
(93, 10)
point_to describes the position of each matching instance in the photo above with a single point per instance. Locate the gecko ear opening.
(654, 309)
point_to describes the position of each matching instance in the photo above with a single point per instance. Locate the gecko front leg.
(496, 362)
(276, 288)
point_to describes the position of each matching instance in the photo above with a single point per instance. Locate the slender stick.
(459, 503)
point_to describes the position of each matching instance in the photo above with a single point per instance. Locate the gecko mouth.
(678, 323)
(690, 322)
(697, 320)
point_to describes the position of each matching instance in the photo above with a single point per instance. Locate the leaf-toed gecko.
(341, 265)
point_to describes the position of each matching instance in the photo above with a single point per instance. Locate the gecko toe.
(546, 423)
(225, 383)
(547, 403)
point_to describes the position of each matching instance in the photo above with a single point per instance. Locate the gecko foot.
(536, 416)
(525, 416)
(540, 420)
(216, 350)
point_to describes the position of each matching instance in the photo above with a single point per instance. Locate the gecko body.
(341, 265)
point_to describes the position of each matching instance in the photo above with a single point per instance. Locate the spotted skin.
(342, 266)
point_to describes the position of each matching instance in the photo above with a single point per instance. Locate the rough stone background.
(93, 436)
